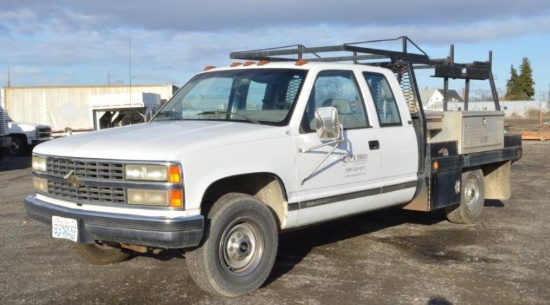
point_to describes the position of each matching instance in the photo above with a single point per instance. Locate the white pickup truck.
(25, 136)
(5, 139)
(243, 152)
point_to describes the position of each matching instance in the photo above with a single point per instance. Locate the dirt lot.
(386, 257)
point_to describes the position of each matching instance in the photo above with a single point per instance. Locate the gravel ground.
(386, 257)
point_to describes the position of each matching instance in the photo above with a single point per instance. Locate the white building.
(66, 106)
(432, 99)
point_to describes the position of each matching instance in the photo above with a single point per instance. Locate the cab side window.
(337, 89)
(384, 100)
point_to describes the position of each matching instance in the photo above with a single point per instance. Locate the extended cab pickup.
(243, 152)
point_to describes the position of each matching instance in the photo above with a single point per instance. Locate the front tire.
(100, 253)
(18, 146)
(239, 247)
(472, 199)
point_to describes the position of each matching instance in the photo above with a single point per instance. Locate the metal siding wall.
(62, 107)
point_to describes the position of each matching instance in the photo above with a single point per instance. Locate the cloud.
(169, 15)
(81, 42)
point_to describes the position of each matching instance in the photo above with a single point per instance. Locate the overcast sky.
(93, 42)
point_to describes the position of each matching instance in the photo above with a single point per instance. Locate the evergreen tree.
(511, 86)
(525, 79)
(521, 86)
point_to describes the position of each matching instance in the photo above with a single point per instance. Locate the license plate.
(66, 228)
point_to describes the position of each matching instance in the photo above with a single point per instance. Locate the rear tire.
(100, 253)
(239, 247)
(472, 198)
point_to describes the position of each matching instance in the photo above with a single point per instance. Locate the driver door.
(335, 172)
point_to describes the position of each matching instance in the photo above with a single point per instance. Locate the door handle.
(374, 144)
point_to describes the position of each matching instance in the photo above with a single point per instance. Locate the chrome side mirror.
(328, 124)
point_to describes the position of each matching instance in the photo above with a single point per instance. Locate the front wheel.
(239, 247)
(472, 199)
(18, 146)
(100, 253)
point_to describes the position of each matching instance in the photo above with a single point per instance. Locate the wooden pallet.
(535, 135)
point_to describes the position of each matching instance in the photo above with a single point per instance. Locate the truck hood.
(18, 127)
(159, 141)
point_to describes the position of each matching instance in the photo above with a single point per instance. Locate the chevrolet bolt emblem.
(72, 179)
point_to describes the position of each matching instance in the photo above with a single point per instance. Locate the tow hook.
(140, 249)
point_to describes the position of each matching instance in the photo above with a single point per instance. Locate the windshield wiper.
(230, 113)
(168, 116)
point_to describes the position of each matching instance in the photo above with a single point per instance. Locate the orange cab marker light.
(301, 62)
(209, 68)
(263, 62)
(235, 64)
(249, 63)
(436, 165)
(174, 175)
(175, 199)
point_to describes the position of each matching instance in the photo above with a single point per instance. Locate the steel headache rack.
(403, 63)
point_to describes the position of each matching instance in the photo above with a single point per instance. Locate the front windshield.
(263, 96)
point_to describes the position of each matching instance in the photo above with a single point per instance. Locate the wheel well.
(264, 186)
(22, 136)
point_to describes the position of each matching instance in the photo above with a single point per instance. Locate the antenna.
(130, 68)
(9, 78)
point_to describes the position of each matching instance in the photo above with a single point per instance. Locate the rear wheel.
(472, 199)
(100, 253)
(239, 248)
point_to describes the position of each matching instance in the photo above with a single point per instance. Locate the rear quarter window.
(384, 99)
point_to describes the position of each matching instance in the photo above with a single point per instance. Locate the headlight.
(39, 164)
(143, 172)
(171, 198)
(148, 197)
(40, 184)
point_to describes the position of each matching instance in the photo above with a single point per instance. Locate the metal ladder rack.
(357, 53)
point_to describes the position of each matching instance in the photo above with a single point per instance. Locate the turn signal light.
(436, 166)
(174, 175)
(176, 200)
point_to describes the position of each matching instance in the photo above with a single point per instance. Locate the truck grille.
(93, 194)
(86, 170)
(2, 123)
(44, 131)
